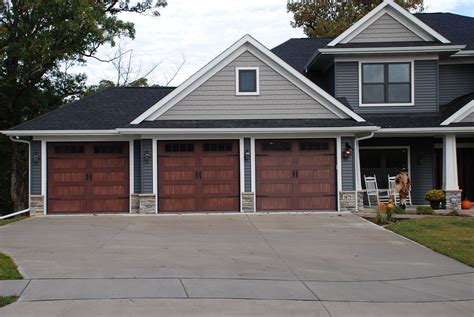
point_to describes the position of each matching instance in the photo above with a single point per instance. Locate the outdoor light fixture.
(247, 155)
(147, 157)
(36, 157)
(347, 152)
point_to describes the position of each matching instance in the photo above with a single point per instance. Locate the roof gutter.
(378, 50)
(425, 130)
(59, 132)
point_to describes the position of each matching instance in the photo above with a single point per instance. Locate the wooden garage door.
(198, 176)
(88, 177)
(296, 174)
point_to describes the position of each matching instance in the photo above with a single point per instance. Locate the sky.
(193, 32)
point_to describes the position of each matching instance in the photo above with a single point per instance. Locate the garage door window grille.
(69, 149)
(314, 146)
(179, 147)
(108, 149)
(217, 147)
(276, 147)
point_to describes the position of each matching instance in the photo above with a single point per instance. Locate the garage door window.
(276, 147)
(314, 146)
(179, 147)
(217, 147)
(108, 149)
(69, 149)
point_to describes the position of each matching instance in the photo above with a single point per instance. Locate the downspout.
(357, 166)
(18, 140)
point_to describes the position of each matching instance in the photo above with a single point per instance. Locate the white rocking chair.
(394, 193)
(372, 190)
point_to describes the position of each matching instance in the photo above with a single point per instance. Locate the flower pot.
(435, 204)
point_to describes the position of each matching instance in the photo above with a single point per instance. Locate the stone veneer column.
(147, 203)
(248, 202)
(36, 205)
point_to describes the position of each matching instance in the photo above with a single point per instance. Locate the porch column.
(450, 172)
(358, 178)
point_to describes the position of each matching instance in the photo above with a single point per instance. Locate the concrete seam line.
(24, 288)
(184, 288)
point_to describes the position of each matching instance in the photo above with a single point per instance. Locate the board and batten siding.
(348, 166)
(247, 167)
(386, 29)
(146, 167)
(421, 163)
(137, 166)
(455, 81)
(426, 87)
(35, 170)
(216, 98)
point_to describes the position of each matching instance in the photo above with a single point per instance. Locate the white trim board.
(248, 43)
(400, 14)
(461, 114)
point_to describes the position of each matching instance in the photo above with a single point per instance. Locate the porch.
(433, 162)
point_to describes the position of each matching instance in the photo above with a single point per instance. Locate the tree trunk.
(18, 183)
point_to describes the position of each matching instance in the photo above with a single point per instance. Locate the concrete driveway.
(318, 262)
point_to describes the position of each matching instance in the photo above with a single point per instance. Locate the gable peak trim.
(246, 43)
(461, 114)
(366, 21)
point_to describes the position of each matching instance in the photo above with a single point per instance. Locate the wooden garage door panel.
(88, 177)
(296, 174)
(198, 176)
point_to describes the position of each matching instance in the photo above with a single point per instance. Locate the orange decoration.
(466, 204)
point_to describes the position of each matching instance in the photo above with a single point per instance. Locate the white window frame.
(257, 74)
(388, 61)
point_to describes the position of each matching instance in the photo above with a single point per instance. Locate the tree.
(130, 72)
(329, 18)
(36, 38)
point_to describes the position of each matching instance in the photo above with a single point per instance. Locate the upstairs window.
(387, 84)
(247, 81)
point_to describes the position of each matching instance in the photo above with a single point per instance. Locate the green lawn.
(10, 220)
(453, 237)
(8, 269)
(4, 301)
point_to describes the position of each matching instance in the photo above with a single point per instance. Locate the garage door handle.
(297, 174)
(200, 175)
(197, 175)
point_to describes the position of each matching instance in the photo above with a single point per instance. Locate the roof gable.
(463, 115)
(278, 97)
(389, 14)
(247, 43)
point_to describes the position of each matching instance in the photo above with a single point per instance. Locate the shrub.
(398, 210)
(454, 213)
(435, 194)
(380, 218)
(424, 210)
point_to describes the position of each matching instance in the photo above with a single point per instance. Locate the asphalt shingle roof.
(108, 109)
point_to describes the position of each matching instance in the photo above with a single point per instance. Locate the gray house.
(293, 128)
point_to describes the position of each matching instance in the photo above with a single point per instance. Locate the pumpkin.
(466, 204)
(390, 206)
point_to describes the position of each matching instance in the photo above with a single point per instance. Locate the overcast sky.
(200, 30)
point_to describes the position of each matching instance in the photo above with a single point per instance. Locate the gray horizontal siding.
(348, 178)
(146, 167)
(216, 98)
(469, 118)
(35, 171)
(137, 167)
(426, 87)
(247, 168)
(455, 81)
(421, 163)
(386, 29)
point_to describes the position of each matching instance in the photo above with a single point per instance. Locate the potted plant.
(435, 197)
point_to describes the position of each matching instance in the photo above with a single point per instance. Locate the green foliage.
(7, 300)
(398, 210)
(11, 220)
(37, 39)
(424, 210)
(454, 213)
(323, 18)
(435, 194)
(8, 269)
(453, 237)
(380, 218)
